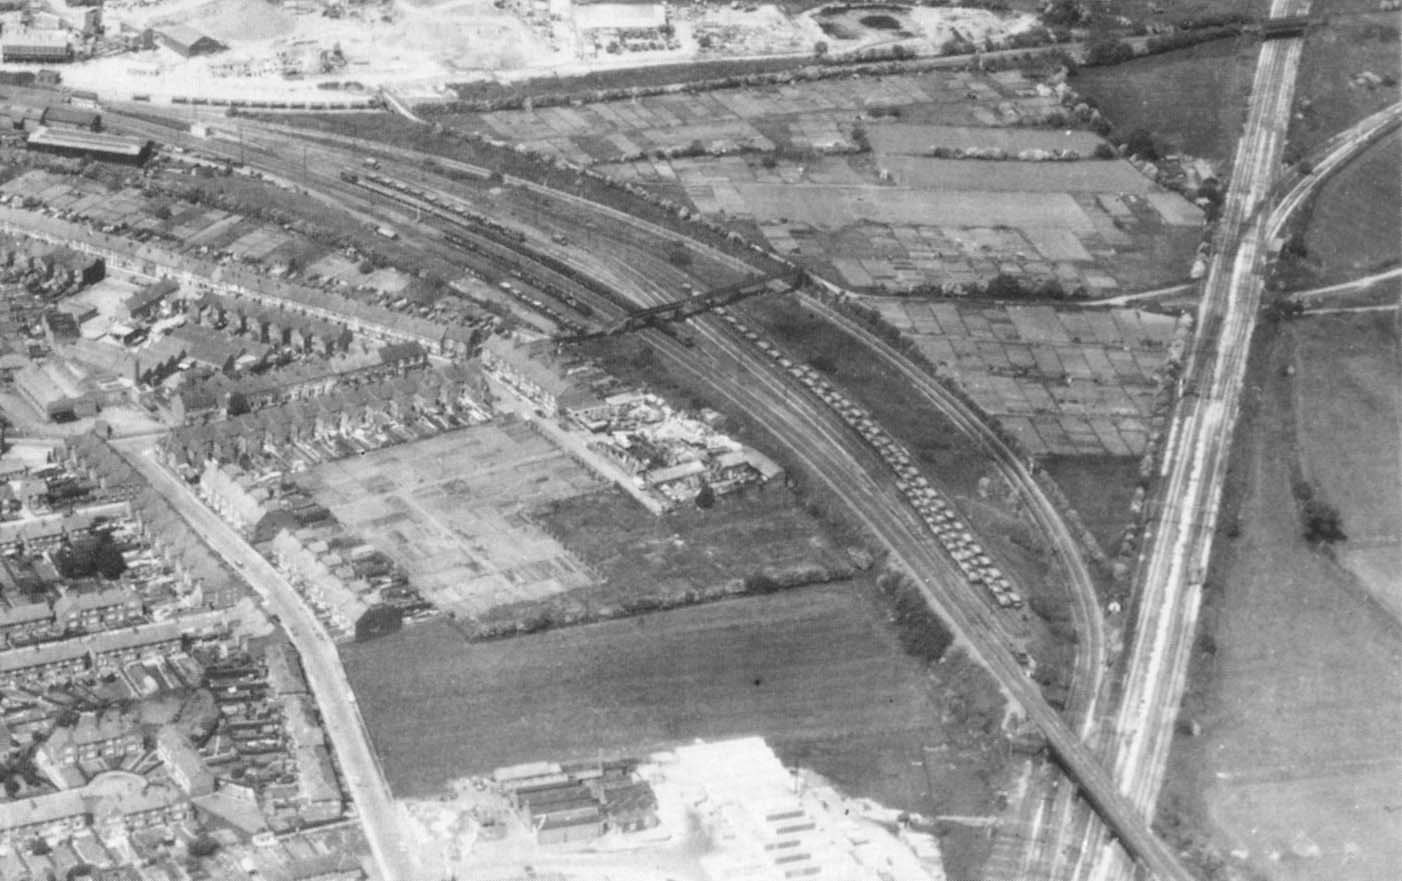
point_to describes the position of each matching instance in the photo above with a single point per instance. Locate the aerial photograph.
(700, 440)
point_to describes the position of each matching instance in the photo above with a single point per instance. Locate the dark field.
(1192, 100)
(814, 669)
(1354, 225)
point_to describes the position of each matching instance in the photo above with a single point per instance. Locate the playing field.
(812, 669)
(449, 510)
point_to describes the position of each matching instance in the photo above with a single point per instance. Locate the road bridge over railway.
(679, 310)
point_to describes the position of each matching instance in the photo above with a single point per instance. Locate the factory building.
(89, 145)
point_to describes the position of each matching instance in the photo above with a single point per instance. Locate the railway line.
(1193, 467)
(823, 444)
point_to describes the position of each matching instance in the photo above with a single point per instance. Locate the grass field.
(815, 670)
(1297, 677)
(1350, 434)
(1326, 102)
(1354, 225)
(1100, 488)
(1201, 112)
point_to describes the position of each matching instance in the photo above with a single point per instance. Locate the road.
(360, 768)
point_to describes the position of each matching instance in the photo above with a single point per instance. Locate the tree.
(860, 138)
(1141, 143)
(1323, 523)
(238, 404)
(706, 498)
(1061, 14)
(820, 49)
(205, 845)
(1107, 50)
(1004, 287)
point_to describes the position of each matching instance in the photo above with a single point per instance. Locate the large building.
(65, 116)
(82, 144)
(36, 47)
(57, 391)
(186, 41)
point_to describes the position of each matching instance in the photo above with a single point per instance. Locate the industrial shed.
(64, 116)
(41, 47)
(90, 145)
(186, 41)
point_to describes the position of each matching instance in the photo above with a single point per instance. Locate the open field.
(1063, 382)
(814, 669)
(1350, 435)
(1200, 113)
(1354, 225)
(1093, 224)
(1326, 100)
(1297, 679)
(799, 115)
(451, 512)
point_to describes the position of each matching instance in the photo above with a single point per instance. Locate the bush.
(1107, 50)
(1104, 151)
(1323, 523)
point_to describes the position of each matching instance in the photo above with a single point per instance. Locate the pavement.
(379, 814)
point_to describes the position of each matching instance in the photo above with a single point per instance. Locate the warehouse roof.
(64, 115)
(82, 140)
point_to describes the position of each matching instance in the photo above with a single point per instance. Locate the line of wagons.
(937, 513)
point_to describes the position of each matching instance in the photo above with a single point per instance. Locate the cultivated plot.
(450, 511)
(900, 221)
(1064, 382)
(799, 115)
